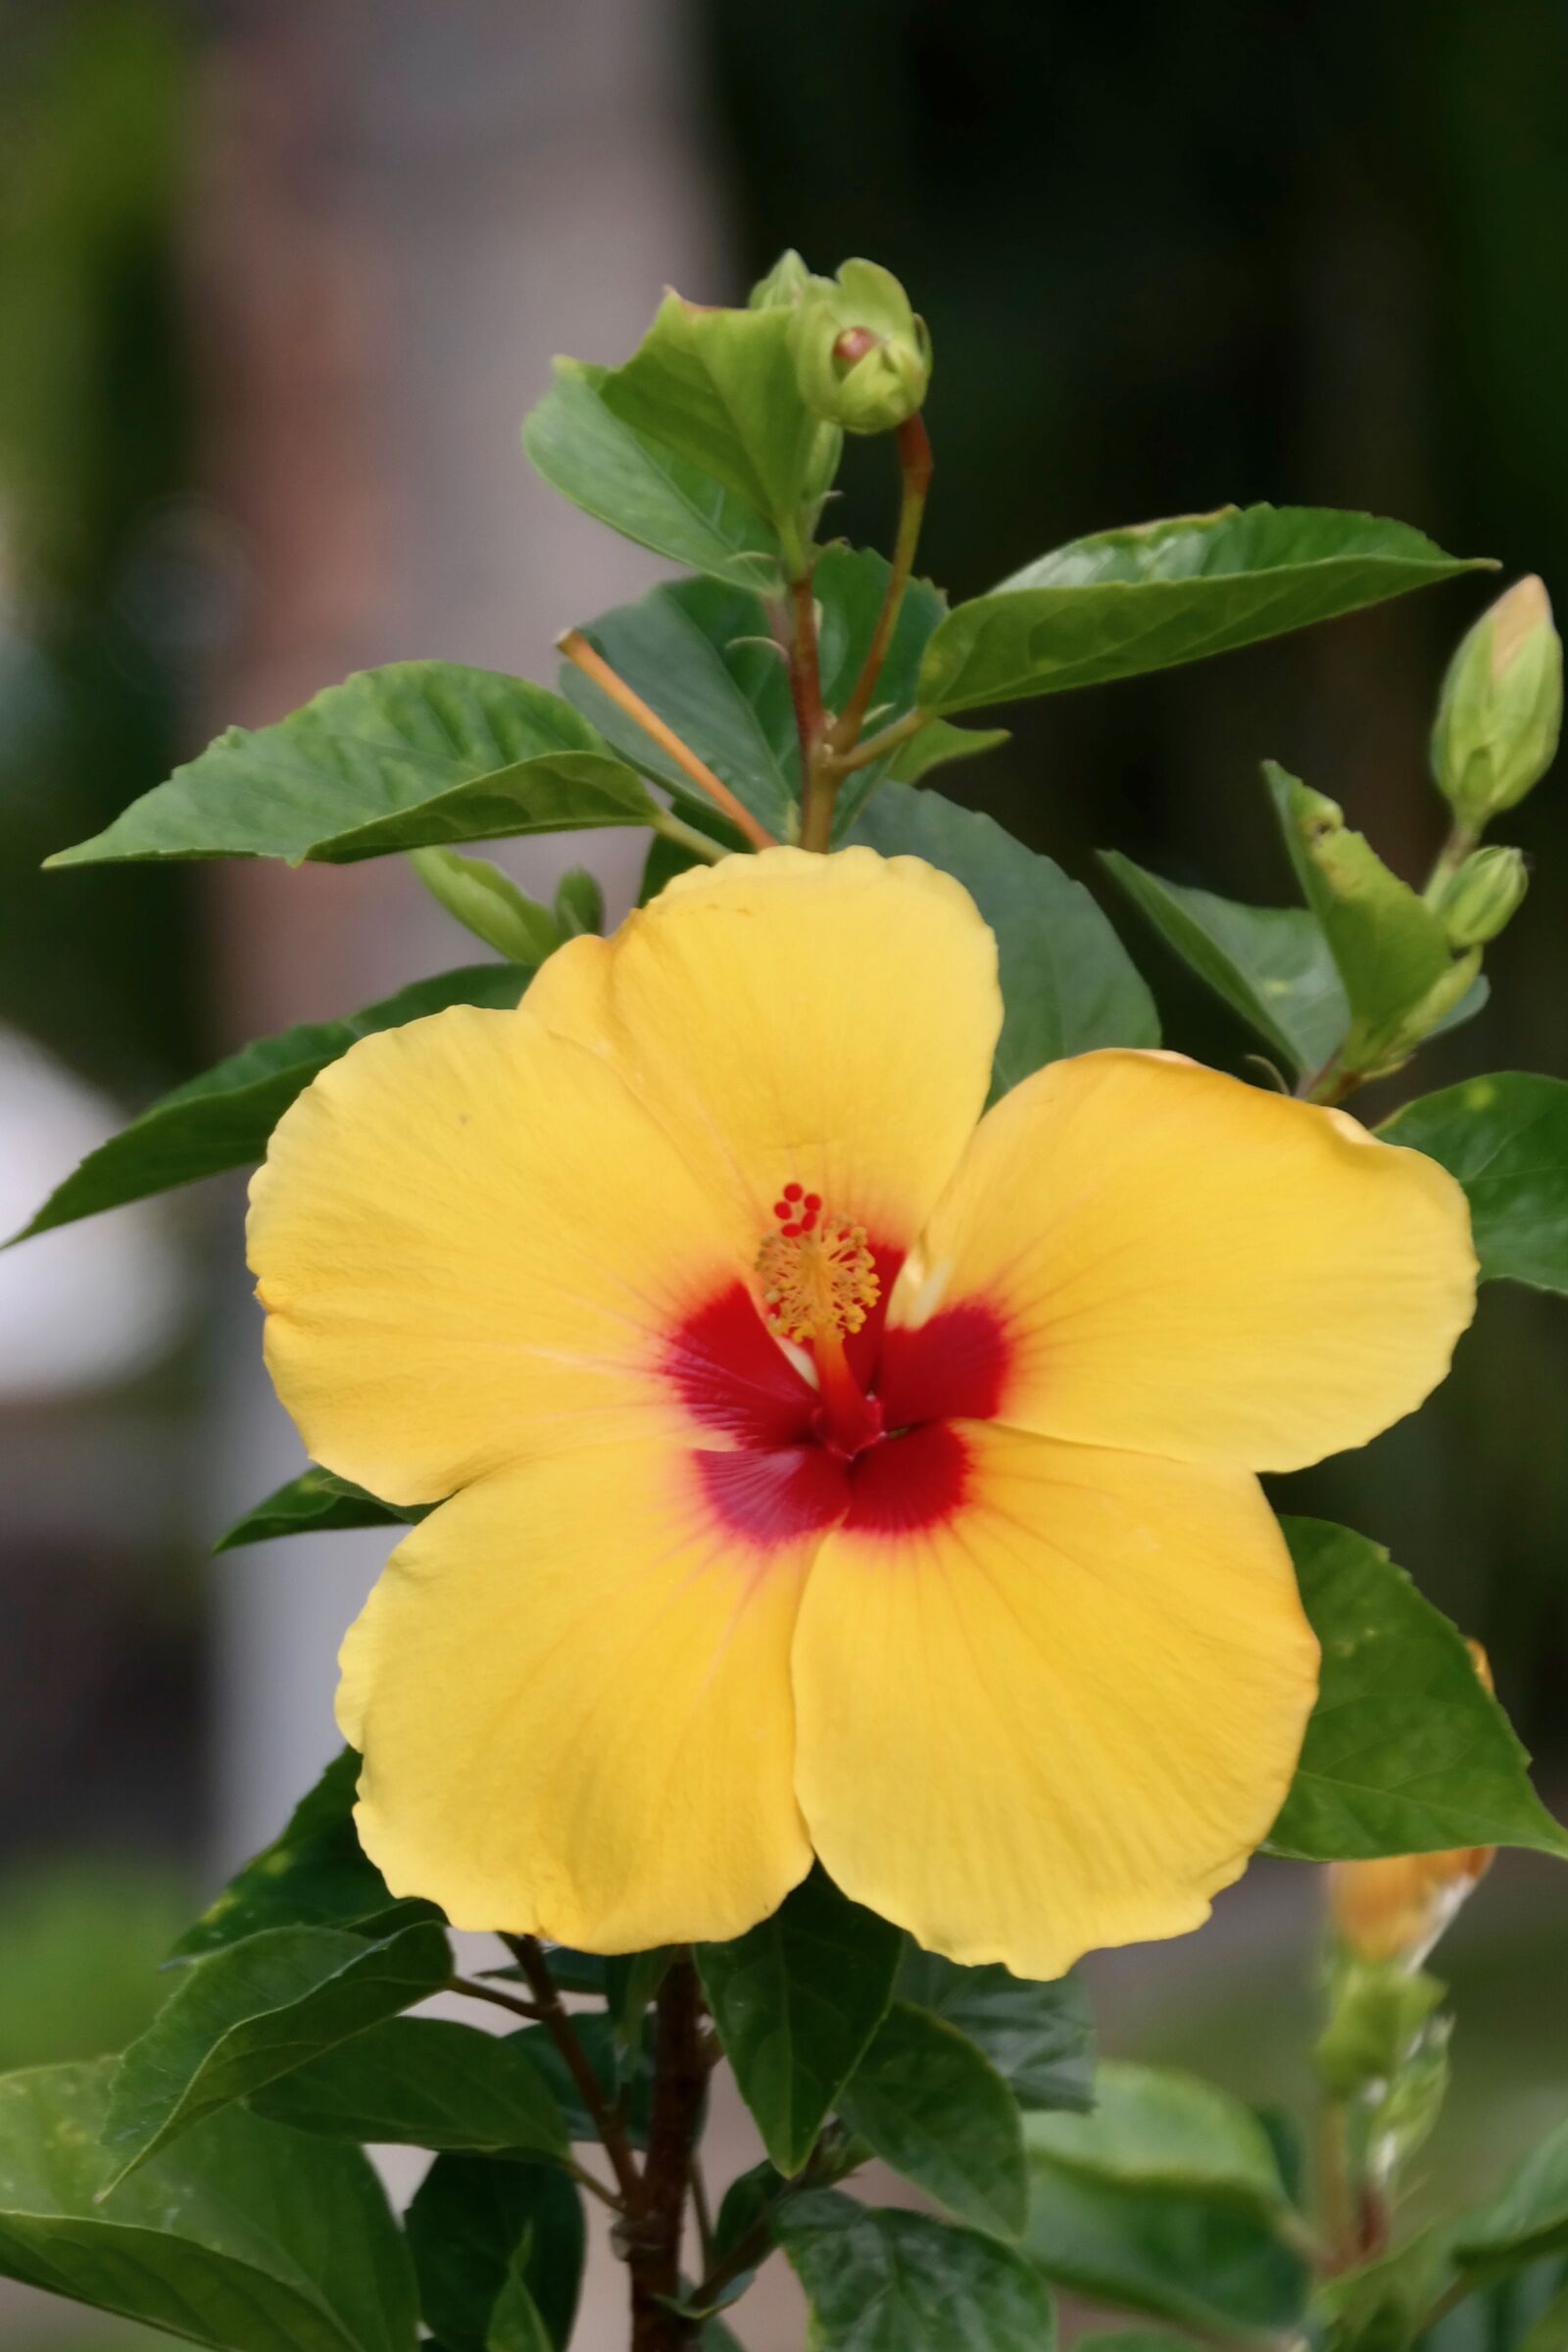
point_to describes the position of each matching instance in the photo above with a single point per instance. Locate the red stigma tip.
(792, 1192)
(814, 1201)
(791, 1232)
(781, 1209)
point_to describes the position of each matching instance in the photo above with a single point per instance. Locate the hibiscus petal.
(1177, 1262)
(473, 1243)
(827, 1020)
(571, 1690)
(1062, 1715)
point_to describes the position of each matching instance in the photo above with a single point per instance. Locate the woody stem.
(914, 468)
(818, 785)
(680, 2083)
(529, 1955)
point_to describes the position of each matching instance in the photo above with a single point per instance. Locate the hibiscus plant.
(822, 1349)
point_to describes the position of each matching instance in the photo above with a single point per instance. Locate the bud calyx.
(863, 357)
(1499, 713)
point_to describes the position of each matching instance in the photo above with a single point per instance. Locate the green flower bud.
(1501, 710)
(788, 282)
(1377, 2010)
(862, 358)
(1484, 895)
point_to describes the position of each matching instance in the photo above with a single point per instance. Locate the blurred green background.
(1169, 258)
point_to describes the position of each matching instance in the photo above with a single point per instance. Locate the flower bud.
(1501, 710)
(788, 282)
(1483, 897)
(862, 358)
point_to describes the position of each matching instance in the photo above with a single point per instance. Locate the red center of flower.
(864, 1435)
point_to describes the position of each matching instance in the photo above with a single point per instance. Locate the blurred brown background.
(277, 279)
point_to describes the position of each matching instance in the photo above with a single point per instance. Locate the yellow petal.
(1177, 1262)
(829, 1020)
(1062, 1716)
(474, 1243)
(571, 1691)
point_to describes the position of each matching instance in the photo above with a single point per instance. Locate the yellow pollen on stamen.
(818, 1276)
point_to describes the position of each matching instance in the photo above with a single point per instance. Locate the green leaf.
(1166, 2198)
(718, 388)
(706, 660)
(1403, 978)
(1152, 2128)
(1067, 983)
(937, 744)
(624, 2075)
(1379, 2306)
(631, 1981)
(642, 489)
(749, 2199)
(1506, 1138)
(317, 1503)
(423, 2082)
(1550, 2332)
(516, 2323)
(241, 2017)
(579, 902)
(477, 2223)
(1528, 2217)
(933, 2106)
(1039, 2037)
(314, 1874)
(1161, 592)
(489, 903)
(885, 2282)
(1516, 2309)
(795, 2003)
(1129, 2339)
(244, 2237)
(223, 1118)
(393, 758)
(1405, 1752)
(1205, 2263)
(1271, 964)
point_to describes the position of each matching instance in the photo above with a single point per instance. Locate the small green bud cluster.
(1501, 710)
(1482, 897)
(863, 358)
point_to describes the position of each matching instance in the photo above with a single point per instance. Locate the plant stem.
(877, 747)
(671, 827)
(473, 1992)
(1452, 855)
(680, 2084)
(702, 2209)
(914, 468)
(1330, 1085)
(577, 647)
(557, 2021)
(818, 787)
(1334, 2218)
(595, 2186)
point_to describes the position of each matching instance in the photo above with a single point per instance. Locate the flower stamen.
(818, 1274)
(820, 1283)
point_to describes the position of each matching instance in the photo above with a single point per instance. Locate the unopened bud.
(1500, 710)
(788, 282)
(862, 358)
(1483, 897)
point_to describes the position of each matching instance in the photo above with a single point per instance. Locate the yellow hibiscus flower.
(826, 1467)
